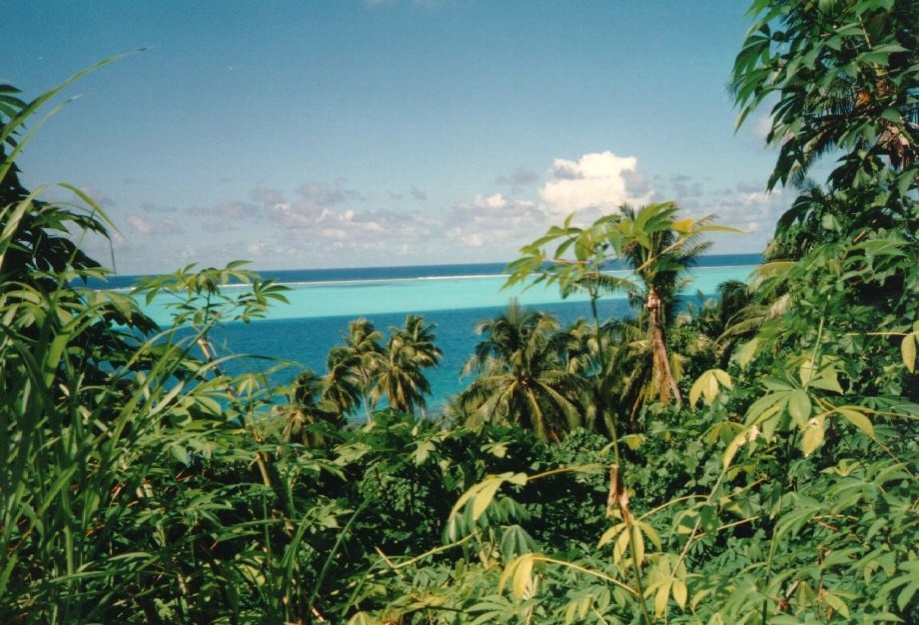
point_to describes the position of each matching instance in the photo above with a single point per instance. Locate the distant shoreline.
(299, 277)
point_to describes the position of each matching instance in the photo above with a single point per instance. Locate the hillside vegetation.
(754, 460)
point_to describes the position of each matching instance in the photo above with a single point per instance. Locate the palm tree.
(657, 247)
(659, 250)
(630, 378)
(522, 376)
(307, 407)
(341, 384)
(400, 379)
(363, 354)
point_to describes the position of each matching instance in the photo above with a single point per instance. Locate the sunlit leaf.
(908, 351)
(858, 418)
(813, 435)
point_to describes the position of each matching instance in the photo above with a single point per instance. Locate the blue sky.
(321, 133)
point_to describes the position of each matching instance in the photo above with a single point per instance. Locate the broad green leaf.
(520, 573)
(807, 371)
(799, 407)
(855, 416)
(611, 533)
(835, 602)
(732, 448)
(484, 496)
(813, 435)
(680, 593)
(908, 351)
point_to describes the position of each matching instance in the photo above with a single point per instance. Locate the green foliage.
(522, 376)
(143, 484)
(842, 76)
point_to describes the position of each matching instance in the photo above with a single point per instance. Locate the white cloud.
(599, 180)
(495, 222)
(144, 227)
(760, 126)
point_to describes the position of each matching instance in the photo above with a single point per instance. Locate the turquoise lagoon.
(454, 298)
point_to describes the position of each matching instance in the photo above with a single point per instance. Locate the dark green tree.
(408, 352)
(308, 410)
(521, 375)
(363, 354)
(842, 80)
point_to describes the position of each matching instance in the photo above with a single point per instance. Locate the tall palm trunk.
(668, 387)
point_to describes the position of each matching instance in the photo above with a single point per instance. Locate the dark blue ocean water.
(306, 340)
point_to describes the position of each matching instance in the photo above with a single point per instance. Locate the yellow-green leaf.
(650, 533)
(680, 593)
(799, 407)
(807, 371)
(696, 391)
(610, 534)
(523, 578)
(638, 544)
(660, 599)
(837, 604)
(746, 353)
(724, 379)
(908, 351)
(622, 544)
(813, 435)
(857, 418)
(707, 385)
(484, 497)
(683, 226)
(732, 448)
(632, 440)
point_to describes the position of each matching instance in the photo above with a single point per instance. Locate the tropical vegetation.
(750, 458)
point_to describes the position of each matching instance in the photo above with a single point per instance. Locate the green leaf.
(813, 435)
(856, 416)
(484, 497)
(807, 371)
(520, 571)
(799, 407)
(708, 386)
(680, 593)
(908, 351)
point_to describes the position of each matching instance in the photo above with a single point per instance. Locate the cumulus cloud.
(597, 181)
(494, 221)
(323, 223)
(145, 227)
(318, 194)
(760, 126)
(755, 211)
(518, 179)
(414, 193)
(685, 187)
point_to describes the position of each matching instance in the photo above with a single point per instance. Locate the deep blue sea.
(452, 297)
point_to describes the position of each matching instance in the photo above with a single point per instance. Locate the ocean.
(452, 297)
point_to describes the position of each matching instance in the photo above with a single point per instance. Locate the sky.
(349, 133)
